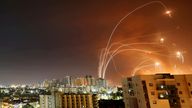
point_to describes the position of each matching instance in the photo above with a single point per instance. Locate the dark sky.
(50, 39)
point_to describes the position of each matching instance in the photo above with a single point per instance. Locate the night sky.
(51, 39)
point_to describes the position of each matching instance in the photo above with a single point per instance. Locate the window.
(154, 102)
(151, 84)
(180, 92)
(191, 92)
(152, 93)
(182, 101)
(130, 85)
(189, 84)
(178, 84)
(129, 79)
(139, 100)
(143, 82)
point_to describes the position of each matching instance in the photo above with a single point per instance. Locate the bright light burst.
(180, 56)
(162, 40)
(157, 64)
(168, 12)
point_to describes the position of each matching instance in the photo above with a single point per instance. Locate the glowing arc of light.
(120, 21)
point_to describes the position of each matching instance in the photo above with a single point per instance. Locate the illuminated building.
(27, 106)
(67, 81)
(46, 84)
(79, 82)
(90, 81)
(47, 101)
(6, 105)
(0, 104)
(79, 101)
(158, 91)
(54, 83)
(58, 99)
(101, 82)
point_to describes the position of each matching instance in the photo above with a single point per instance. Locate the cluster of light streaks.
(141, 65)
(130, 47)
(123, 48)
(107, 55)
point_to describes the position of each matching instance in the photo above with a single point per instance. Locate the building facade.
(60, 100)
(47, 101)
(90, 81)
(79, 101)
(101, 83)
(0, 104)
(158, 91)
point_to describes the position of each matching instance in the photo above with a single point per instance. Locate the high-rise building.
(58, 99)
(101, 83)
(158, 91)
(67, 81)
(45, 84)
(79, 101)
(47, 101)
(78, 82)
(90, 81)
(54, 83)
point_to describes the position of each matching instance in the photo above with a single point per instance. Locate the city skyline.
(51, 40)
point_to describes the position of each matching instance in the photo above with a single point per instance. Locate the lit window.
(161, 96)
(161, 86)
(151, 84)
